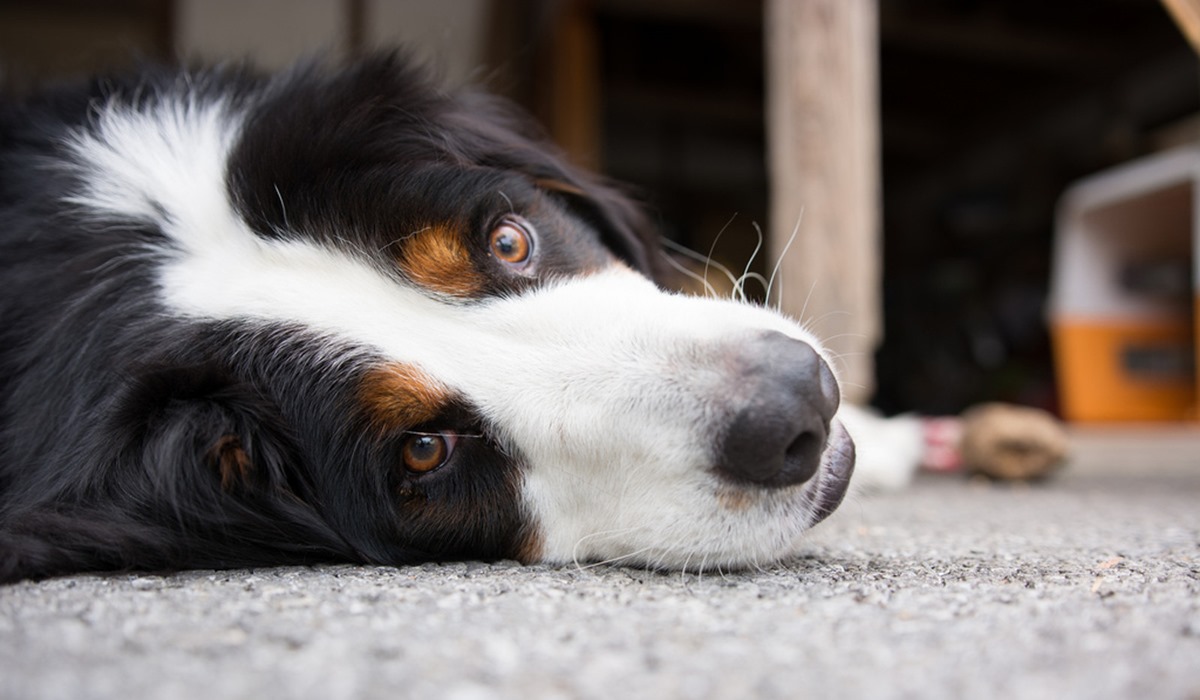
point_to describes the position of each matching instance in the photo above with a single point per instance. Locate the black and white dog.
(337, 315)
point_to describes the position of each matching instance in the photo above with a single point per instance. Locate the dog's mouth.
(833, 480)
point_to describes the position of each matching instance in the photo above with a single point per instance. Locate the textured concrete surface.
(1085, 587)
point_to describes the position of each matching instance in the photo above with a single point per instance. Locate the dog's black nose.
(785, 395)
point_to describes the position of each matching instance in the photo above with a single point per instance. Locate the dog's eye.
(424, 452)
(512, 242)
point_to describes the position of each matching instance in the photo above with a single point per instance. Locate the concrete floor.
(1084, 587)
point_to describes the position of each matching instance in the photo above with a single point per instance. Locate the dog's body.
(338, 316)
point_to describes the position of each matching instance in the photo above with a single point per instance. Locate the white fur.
(889, 449)
(172, 156)
(602, 383)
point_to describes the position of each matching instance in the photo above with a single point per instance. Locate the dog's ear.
(625, 228)
(220, 458)
(198, 471)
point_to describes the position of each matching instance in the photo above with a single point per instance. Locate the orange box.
(1124, 291)
(1130, 371)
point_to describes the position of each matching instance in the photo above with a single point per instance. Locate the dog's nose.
(787, 396)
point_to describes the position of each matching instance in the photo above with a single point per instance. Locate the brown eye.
(424, 452)
(511, 243)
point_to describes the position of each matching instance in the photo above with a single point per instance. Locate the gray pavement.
(1085, 587)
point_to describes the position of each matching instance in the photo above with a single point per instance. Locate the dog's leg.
(999, 441)
(890, 450)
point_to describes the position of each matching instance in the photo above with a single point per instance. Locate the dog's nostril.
(803, 456)
(776, 436)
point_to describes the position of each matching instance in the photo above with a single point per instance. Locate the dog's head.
(437, 339)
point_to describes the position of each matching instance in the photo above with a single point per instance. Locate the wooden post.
(571, 107)
(823, 155)
(1186, 14)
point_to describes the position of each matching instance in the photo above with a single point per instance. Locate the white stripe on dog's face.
(602, 386)
(623, 382)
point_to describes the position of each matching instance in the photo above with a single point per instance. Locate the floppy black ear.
(624, 226)
(198, 472)
(195, 429)
(223, 464)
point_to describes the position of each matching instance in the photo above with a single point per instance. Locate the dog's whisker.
(712, 248)
(708, 288)
(709, 262)
(282, 207)
(753, 276)
(683, 569)
(477, 436)
(812, 288)
(607, 562)
(740, 287)
(511, 208)
(403, 238)
(581, 566)
(604, 534)
(839, 336)
(814, 323)
(779, 261)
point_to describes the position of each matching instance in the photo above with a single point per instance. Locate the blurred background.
(972, 119)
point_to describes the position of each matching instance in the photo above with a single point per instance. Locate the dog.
(338, 315)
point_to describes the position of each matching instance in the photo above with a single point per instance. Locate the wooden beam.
(571, 107)
(823, 153)
(1186, 14)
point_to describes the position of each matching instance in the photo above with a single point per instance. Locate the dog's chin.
(833, 479)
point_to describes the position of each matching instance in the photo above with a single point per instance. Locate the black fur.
(113, 412)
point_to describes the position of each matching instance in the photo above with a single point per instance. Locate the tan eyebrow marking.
(396, 396)
(436, 258)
